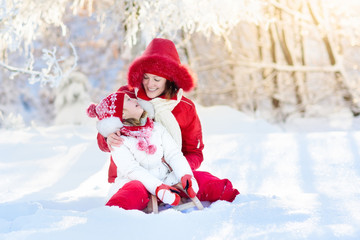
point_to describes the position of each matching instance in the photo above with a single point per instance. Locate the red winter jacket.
(191, 133)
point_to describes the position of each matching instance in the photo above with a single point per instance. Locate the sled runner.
(153, 206)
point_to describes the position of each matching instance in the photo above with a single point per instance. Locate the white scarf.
(163, 114)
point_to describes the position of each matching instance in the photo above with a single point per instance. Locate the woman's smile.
(154, 85)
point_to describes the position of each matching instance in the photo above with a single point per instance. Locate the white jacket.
(133, 164)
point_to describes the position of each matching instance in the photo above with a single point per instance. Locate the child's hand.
(167, 194)
(114, 139)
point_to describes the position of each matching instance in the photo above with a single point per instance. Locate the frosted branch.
(52, 74)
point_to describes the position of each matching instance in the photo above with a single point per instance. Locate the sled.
(153, 206)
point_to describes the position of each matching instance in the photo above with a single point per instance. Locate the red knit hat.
(109, 112)
(161, 58)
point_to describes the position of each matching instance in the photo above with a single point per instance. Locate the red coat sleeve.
(102, 143)
(192, 142)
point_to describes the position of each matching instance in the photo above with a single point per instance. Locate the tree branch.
(52, 74)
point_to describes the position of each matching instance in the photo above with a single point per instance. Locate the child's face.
(154, 85)
(131, 108)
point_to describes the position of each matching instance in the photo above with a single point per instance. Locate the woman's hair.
(134, 121)
(170, 89)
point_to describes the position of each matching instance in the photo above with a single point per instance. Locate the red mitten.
(190, 185)
(167, 194)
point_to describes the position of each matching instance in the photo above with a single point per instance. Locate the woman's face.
(131, 108)
(154, 85)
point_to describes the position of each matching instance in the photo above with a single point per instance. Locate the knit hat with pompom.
(109, 112)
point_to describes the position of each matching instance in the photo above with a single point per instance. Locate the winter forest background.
(272, 59)
(288, 136)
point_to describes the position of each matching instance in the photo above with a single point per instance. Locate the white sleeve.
(173, 155)
(131, 169)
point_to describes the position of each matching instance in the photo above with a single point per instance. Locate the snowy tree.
(72, 98)
(303, 62)
(22, 22)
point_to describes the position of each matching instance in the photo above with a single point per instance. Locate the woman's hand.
(114, 139)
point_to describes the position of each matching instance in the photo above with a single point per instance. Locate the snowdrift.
(294, 184)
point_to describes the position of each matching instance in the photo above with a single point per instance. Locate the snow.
(299, 180)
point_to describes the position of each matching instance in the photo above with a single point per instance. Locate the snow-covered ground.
(297, 181)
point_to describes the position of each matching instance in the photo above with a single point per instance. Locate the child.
(148, 161)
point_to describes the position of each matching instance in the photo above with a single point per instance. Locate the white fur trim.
(108, 126)
(148, 107)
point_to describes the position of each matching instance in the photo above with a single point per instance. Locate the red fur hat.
(161, 58)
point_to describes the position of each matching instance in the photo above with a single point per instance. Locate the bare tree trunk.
(288, 58)
(260, 49)
(275, 102)
(191, 53)
(303, 76)
(235, 82)
(340, 75)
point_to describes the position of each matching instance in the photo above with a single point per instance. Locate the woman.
(139, 159)
(157, 79)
